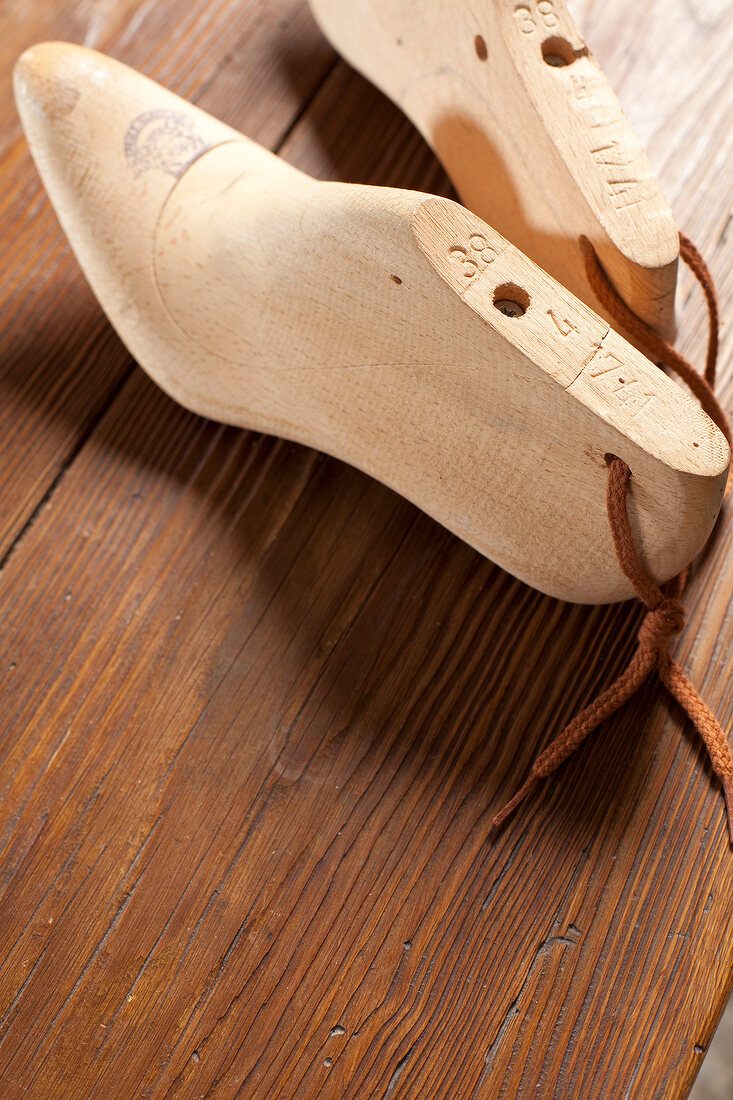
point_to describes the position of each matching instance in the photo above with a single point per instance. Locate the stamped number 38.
(477, 255)
(529, 15)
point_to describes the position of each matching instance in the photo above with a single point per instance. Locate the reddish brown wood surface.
(258, 711)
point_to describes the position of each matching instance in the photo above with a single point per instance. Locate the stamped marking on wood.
(622, 383)
(610, 156)
(592, 105)
(612, 153)
(541, 13)
(163, 139)
(609, 362)
(635, 398)
(563, 326)
(474, 257)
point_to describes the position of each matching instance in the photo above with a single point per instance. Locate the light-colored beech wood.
(394, 330)
(528, 128)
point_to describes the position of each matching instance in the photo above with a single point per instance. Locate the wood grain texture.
(258, 712)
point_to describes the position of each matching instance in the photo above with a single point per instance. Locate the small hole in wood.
(621, 381)
(558, 52)
(695, 444)
(396, 279)
(481, 51)
(511, 300)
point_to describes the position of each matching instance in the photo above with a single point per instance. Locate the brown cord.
(665, 615)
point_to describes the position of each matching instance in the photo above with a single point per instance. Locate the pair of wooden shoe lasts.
(400, 331)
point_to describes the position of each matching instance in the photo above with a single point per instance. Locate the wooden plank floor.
(258, 711)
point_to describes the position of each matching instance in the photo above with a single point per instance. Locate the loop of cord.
(665, 612)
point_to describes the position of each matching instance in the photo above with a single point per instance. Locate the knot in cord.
(665, 616)
(661, 623)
